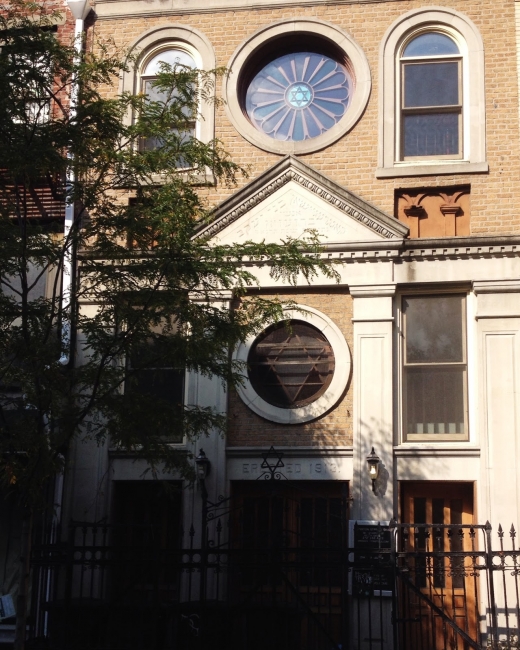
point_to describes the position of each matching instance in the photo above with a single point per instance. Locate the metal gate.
(457, 587)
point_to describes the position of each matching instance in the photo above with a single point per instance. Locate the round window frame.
(322, 404)
(253, 47)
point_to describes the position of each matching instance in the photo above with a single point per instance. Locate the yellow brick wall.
(352, 160)
(334, 428)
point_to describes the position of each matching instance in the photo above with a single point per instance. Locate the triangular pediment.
(290, 198)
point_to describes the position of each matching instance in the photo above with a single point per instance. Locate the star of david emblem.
(289, 369)
(300, 95)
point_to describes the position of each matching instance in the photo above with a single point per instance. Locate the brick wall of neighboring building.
(352, 160)
(334, 428)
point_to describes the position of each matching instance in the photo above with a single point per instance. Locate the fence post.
(491, 582)
(395, 603)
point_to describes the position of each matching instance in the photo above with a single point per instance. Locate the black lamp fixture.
(203, 465)
(373, 461)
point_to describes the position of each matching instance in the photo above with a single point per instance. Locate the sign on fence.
(372, 573)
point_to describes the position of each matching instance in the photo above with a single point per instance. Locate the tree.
(155, 283)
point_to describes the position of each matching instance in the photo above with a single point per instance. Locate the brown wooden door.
(443, 574)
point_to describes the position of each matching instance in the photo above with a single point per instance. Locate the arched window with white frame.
(173, 45)
(432, 102)
(431, 97)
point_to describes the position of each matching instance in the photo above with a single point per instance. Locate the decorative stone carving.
(291, 211)
(434, 212)
(332, 210)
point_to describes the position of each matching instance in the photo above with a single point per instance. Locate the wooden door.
(292, 579)
(439, 560)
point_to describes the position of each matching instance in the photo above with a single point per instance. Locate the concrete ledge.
(432, 170)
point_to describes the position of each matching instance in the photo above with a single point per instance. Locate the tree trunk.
(23, 581)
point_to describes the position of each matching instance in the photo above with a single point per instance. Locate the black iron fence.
(434, 587)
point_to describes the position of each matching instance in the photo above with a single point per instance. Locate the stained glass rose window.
(298, 96)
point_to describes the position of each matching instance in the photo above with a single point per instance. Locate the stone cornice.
(484, 246)
(117, 9)
(410, 250)
(293, 169)
(497, 286)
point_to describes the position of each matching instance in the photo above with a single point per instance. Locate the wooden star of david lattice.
(291, 364)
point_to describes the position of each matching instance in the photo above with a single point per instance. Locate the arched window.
(432, 102)
(173, 44)
(178, 59)
(431, 97)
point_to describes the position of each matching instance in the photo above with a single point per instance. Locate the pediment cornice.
(291, 169)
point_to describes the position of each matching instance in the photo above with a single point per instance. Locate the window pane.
(153, 93)
(435, 400)
(149, 144)
(434, 329)
(431, 84)
(171, 57)
(435, 134)
(298, 96)
(432, 44)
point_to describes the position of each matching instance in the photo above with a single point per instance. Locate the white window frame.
(400, 110)
(463, 31)
(168, 47)
(176, 37)
(436, 440)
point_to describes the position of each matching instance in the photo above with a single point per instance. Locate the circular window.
(292, 375)
(291, 364)
(286, 99)
(298, 96)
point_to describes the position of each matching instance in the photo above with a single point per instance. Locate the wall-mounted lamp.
(203, 465)
(373, 461)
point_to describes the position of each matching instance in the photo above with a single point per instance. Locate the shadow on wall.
(405, 464)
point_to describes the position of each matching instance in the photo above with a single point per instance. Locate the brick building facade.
(411, 180)
(458, 207)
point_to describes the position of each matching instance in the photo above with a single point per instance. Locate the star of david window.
(298, 96)
(291, 364)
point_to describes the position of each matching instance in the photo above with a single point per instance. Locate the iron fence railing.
(436, 587)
